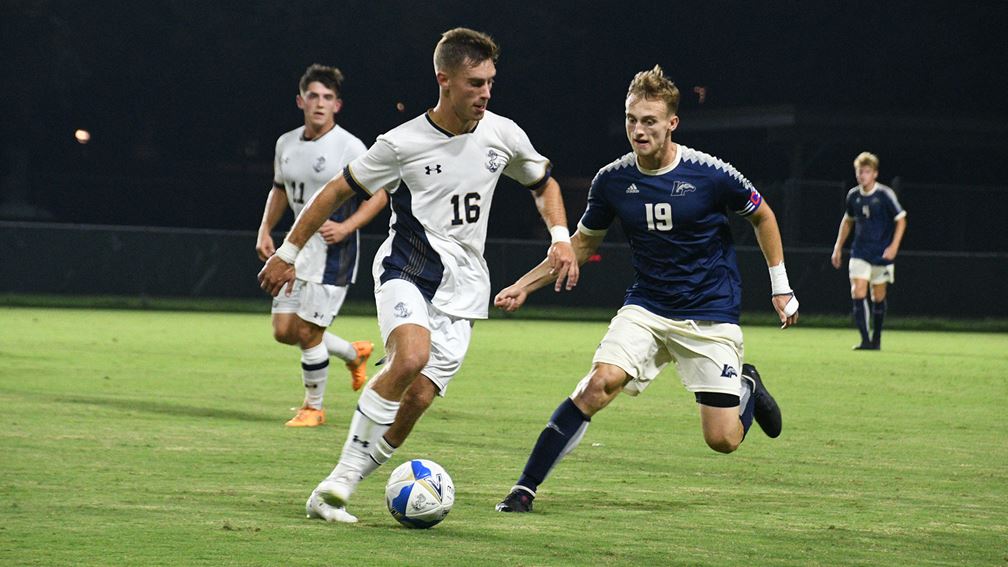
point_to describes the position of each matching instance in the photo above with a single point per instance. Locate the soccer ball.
(419, 493)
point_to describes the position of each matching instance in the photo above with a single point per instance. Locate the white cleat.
(316, 509)
(336, 490)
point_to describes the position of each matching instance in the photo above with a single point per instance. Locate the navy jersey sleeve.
(892, 205)
(849, 211)
(599, 213)
(740, 195)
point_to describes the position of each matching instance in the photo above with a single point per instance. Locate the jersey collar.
(667, 168)
(868, 193)
(442, 130)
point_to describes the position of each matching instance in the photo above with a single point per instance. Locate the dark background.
(185, 100)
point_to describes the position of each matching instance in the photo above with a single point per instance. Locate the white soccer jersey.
(301, 167)
(441, 186)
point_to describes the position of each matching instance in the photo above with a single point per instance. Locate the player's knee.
(286, 335)
(410, 361)
(721, 442)
(602, 386)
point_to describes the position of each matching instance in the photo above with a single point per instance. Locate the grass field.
(144, 437)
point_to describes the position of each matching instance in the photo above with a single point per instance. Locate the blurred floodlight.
(82, 136)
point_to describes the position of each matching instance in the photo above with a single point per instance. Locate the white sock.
(381, 453)
(315, 372)
(338, 347)
(372, 419)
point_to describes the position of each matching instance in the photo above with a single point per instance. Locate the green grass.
(148, 437)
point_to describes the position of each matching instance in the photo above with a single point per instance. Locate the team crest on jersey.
(496, 160)
(401, 311)
(319, 164)
(680, 188)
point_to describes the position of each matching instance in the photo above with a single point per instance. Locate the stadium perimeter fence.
(69, 259)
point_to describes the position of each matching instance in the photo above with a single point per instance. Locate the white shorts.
(399, 302)
(316, 303)
(707, 354)
(861, 270)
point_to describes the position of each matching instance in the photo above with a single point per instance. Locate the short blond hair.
(653, 84)
(866, 159)
(463, 46)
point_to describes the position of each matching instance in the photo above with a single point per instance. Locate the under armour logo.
(312, 386)
(363, 443)
(435, 169)
(728, 372)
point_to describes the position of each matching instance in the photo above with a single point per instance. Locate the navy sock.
(561, 434)
(861, 318)
(878, 316)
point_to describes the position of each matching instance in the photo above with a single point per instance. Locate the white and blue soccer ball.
(419, 493)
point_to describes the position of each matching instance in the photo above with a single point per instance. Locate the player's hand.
(563, 264)
(510, 298)
(889, 253)
(836, 258)
(275, 274)
(780, 304)
(265, 247)
(333, 232)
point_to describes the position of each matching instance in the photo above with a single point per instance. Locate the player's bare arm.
(276, 204)
(333, 232)
(279, 268)
(768, 235)
(890, 252)
(561, 257)
(512, 297)
(846, 225)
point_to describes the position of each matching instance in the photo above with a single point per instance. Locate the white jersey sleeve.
(526, 166)
(378, 167)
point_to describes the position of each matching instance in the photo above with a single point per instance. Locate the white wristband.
(287, 252)
(559, 234)
(778, 280)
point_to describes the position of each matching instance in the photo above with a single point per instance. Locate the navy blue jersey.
(676, 221)
(874, 215)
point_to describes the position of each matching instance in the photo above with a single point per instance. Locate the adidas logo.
(632, 189)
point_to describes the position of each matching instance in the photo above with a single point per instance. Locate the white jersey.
(301, 167)
(441, 186)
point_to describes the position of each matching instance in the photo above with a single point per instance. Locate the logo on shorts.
(319, 164)
(728, 371)
(496, 161)
(401, 311)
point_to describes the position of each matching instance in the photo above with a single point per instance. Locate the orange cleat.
(307, 417)
(358, 366)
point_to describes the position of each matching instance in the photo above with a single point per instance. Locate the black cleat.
(866, 346)
(765, 408)
(519, 500)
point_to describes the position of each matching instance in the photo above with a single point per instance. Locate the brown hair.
(463, 45)
(330, 77)
(653, 84)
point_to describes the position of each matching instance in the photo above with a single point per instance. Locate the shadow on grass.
(167, 409)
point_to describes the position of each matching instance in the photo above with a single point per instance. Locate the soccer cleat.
(866, 346)
(765, 409)
(307, 417)
(316, 509)
(336, 491)
(358, 366)
(518, 500)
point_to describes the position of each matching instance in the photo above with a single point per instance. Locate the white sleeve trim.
(902, 214)
(590, 231)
